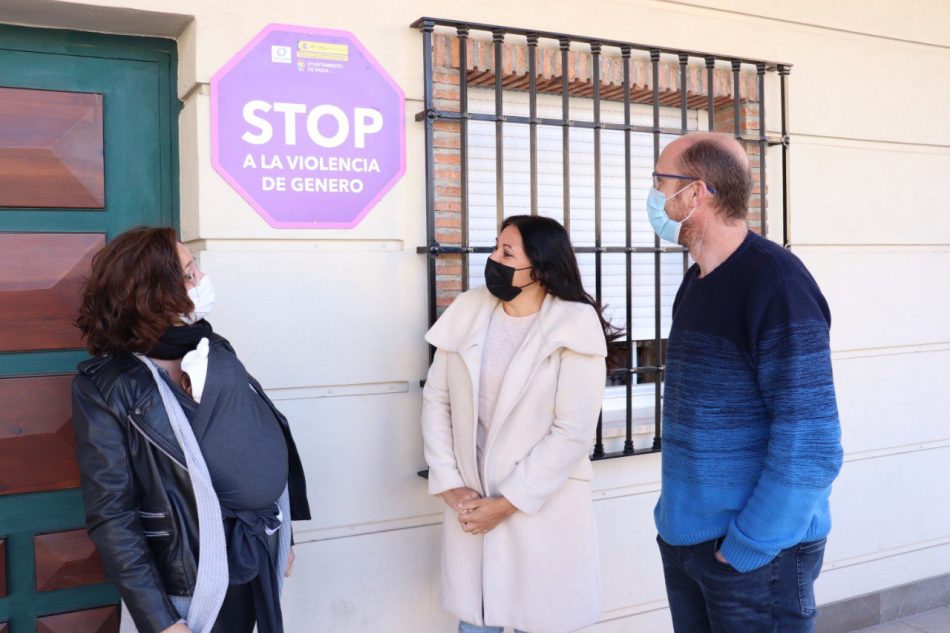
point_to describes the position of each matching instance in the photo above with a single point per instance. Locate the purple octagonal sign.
(308, 127)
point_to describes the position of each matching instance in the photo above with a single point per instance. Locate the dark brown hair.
(712, 162)
(134, 292)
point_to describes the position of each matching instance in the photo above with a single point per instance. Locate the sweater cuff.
(741, 553)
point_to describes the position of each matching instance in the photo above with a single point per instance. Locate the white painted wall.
(332, 321)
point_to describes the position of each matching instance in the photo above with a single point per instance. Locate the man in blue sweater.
(751, 439)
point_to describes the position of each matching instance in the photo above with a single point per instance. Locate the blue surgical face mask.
(667, 228)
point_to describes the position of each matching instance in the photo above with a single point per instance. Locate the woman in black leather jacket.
(179, 449)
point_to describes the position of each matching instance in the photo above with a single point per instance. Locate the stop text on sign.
(365, 121)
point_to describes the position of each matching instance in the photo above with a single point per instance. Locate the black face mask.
(179, 340)
(498, 278)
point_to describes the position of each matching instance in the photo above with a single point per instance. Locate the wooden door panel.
(66, 559)
(51, 149)
(40, 279)
(37, 444)
(101, 620)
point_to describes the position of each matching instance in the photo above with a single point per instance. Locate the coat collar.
(463, 327)
(561, 324)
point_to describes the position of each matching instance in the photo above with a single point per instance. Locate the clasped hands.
(477, 514)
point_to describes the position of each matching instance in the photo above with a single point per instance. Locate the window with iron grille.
(528, 122)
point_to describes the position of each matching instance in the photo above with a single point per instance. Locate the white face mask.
(202, 296)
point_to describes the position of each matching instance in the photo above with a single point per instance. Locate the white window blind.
(482, 201)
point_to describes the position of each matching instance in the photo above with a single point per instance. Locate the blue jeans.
(707, 596)
(465, 627)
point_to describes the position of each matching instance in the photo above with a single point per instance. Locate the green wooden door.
(88, 148)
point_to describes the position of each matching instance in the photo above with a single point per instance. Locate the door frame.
(30, 514)
(163, 52)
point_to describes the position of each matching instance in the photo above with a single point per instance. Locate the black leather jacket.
(140, 507)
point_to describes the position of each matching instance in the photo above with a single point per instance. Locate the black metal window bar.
(431, 115)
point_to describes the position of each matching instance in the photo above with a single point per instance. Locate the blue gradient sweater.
(751, 439)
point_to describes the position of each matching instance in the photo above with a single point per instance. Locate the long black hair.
(554, 266)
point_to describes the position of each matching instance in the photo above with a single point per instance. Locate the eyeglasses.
(657, 176)
(194, 276)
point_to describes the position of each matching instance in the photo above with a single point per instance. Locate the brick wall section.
(448, 182)
(481, 65)
(723, 121)
(480, 73)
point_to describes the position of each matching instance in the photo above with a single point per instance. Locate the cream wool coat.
(538, 570)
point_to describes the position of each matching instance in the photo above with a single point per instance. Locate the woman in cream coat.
(510, 408)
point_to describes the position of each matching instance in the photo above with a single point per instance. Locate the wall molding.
(920, 546)
(336, 391)
(808, 25)
(295, 245)
(319, 535)
(892, 451)
(894, 350)
(637, 609)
